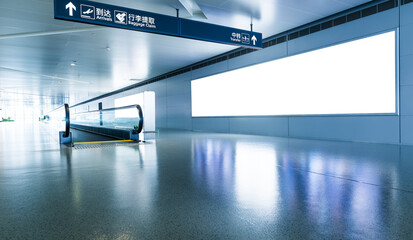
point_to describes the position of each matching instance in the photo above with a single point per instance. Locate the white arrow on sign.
(71, 8)
(254, 39)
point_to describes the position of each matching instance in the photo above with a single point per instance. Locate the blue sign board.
(114, 16)
(220, 34)
(132, 19)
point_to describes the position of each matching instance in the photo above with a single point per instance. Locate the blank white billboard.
(357, 77)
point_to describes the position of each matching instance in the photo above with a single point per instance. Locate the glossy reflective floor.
(203, 186)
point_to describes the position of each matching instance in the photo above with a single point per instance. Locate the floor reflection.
(214, 163)
(256, 177)
(272, 182)
(139, 182)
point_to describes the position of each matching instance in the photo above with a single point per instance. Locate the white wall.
(173, 95)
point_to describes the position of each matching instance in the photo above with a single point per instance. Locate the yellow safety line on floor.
(115, 141)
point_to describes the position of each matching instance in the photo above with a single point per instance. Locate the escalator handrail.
(140, 125)
(137, 106)
(67, 117)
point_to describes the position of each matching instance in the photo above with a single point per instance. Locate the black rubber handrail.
(67, 113)
(138, 107)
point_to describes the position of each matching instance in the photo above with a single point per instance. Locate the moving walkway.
(112, 125)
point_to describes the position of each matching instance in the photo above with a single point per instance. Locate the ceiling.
(36, 51)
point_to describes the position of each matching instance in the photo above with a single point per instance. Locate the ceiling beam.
(47, 33)
(193, 8)
(43, 75)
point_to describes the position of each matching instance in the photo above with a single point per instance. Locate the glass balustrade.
(122, 118)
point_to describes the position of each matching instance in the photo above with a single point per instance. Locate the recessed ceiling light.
(73, 63)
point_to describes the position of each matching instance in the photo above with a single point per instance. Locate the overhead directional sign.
(220, 34)
(114, 16)
(132, 19)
